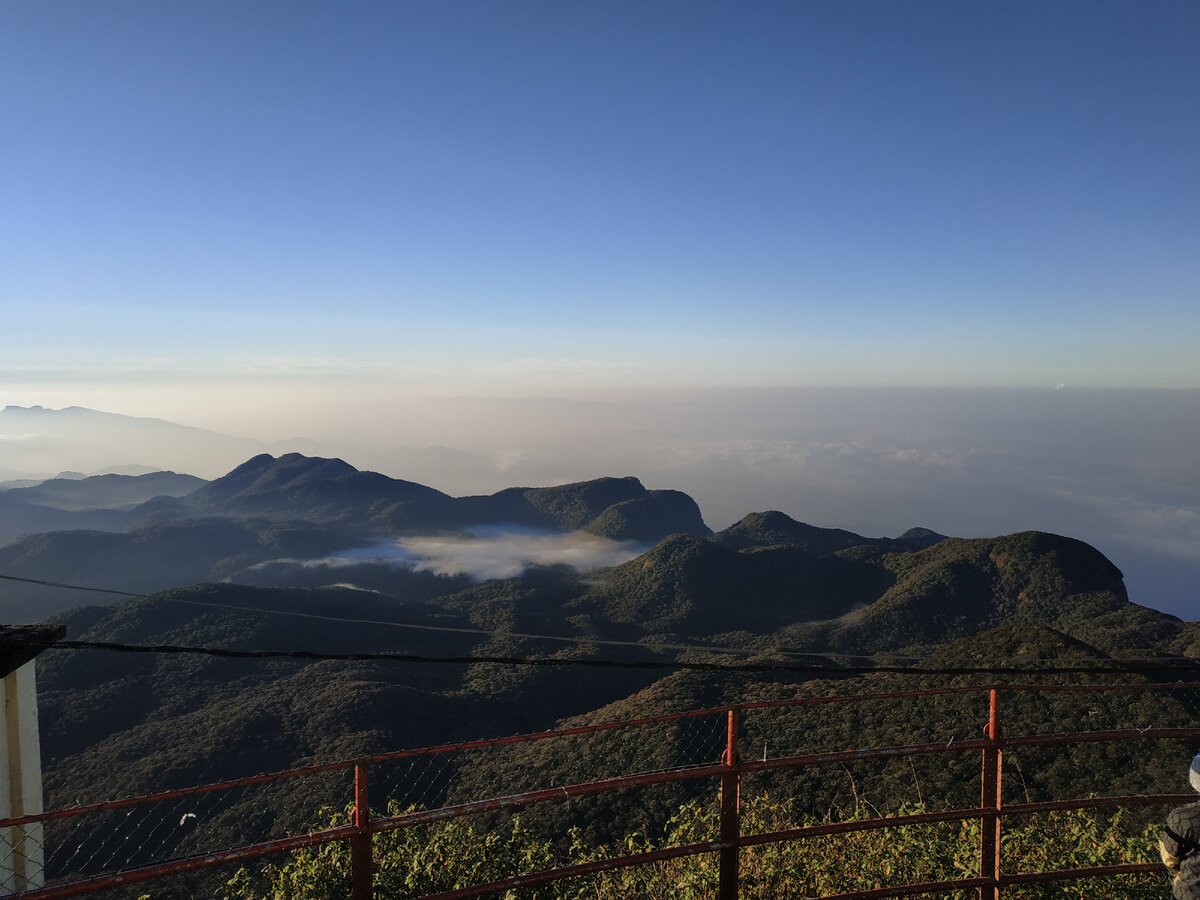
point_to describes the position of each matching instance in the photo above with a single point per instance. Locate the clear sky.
(828, 256)
(541, 197)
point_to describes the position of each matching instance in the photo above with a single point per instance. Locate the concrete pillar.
(21, 856)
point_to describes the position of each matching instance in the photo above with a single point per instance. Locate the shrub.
(412, 862)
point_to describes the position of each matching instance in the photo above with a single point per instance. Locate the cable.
(1118, 668)
(449, 629)
(1123, 666)
(69, 587)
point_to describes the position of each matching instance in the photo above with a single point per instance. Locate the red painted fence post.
(362, 874)
(993, 774)
(730, 819)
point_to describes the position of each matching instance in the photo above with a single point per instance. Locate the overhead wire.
(451, 629)
(1142, 665)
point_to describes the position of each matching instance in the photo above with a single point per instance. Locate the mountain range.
(36, 438)
(290, 507)
(37, 442)
(232, 563)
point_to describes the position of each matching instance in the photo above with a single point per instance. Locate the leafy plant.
(416, 861)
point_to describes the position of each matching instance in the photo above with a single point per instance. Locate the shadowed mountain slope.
(691, 586)
(154, 557)
(648, 517)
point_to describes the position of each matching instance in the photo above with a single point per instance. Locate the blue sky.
(542, 197)
(711, 244)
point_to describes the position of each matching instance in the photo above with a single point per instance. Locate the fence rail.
(89, 848)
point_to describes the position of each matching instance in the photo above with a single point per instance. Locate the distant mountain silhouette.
(766, 529)
(49, 440)
(296, 487)
(303, 487)
(104, 491)
(103, 502)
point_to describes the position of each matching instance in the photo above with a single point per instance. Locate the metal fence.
(1137, 740)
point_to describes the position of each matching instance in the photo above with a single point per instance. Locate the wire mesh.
(1130, 766)
(577, 756)
(189, 824)
(108, 838)
(832, 724)
(1059, 709)
(818, 724)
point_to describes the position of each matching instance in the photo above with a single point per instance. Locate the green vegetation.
(415, 861)
(117, 725)
(767, 590)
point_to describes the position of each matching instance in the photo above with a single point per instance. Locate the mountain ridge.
(768, 590)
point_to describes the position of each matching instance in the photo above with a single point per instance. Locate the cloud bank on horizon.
(1114, 468)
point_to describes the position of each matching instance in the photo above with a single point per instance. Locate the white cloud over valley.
(490, 552)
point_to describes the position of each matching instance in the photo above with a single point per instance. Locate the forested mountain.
(288, 508)
(768, 589)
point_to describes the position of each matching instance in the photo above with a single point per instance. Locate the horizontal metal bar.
(1093, 872)
(549, 735)
(912, 890)
(1099, 688)
(792, 834)
(813, 759)
(763, 704)
(974, 689)
(106, 805)
(578, 870)
(527, 798)
(1020, 809)
(1091, 737)
(860, 698)
(187, 864)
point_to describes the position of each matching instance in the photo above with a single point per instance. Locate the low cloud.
(1164, 528)
(491, 552)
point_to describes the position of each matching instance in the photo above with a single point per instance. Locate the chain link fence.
(93, 842)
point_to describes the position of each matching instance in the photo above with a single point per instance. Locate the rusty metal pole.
(993, 775)
(730, 818)
(362, 874)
